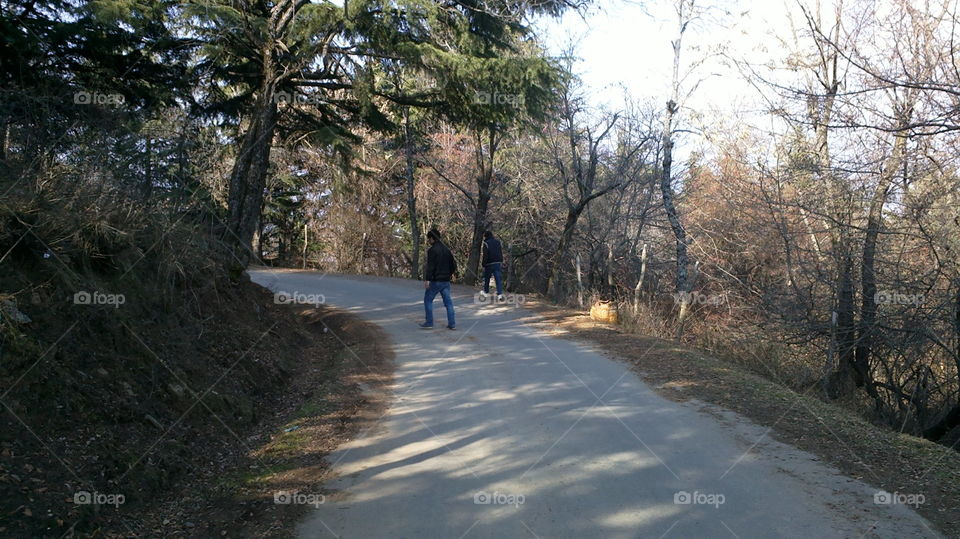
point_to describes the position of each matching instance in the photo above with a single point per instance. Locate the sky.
(625, 47)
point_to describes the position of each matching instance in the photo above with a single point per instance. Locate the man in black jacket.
(492, 262)
(441, 267)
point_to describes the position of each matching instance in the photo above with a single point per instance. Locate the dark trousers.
(493, 269)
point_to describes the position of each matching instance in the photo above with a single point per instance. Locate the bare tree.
(683, 286)
(586, 166)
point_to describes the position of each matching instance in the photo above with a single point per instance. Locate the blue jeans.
(443, 288)
(493, 269)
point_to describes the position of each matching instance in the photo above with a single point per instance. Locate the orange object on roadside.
(605, 311)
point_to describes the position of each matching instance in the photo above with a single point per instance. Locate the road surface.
(497, 430)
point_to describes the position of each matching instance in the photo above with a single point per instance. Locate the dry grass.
(339, 390)
(141, 398)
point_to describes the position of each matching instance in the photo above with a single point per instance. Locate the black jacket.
(493, 252)
(441, 265)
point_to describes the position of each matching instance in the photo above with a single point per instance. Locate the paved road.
(497, 430)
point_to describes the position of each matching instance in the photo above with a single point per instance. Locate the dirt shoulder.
(340, 388)
(879, 457)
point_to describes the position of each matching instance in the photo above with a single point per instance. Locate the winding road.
(498, 430)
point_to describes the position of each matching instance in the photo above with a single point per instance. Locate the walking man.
(492, 264)
(441, 266)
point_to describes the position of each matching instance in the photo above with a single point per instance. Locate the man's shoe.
(426, 326)
(451, 327)
(500, 298)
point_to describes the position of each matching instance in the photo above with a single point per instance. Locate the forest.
(811, 236)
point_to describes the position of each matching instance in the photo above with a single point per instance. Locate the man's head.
(487, 235)
(433, 236)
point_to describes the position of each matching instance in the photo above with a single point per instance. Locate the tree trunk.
(682, 287)
(566, 237)
(610, 269)
(259, 251)
(484, 181)
(643, 271)
(479, 225)
(666, 190)
(411, 200)
(839, 376)
(249, 175)
(845, 378)
(303, 255)
(868, 308)
(829, 366)
(508, 278)
(579, 283)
